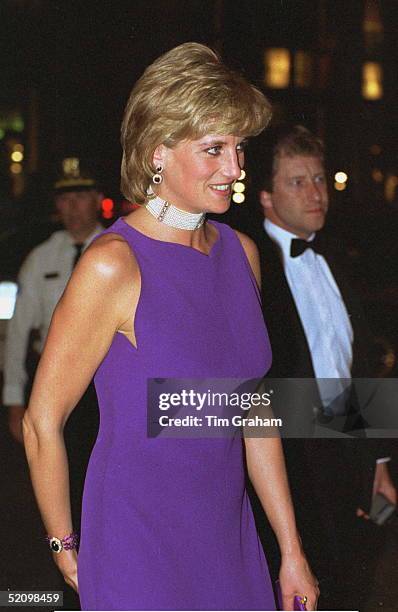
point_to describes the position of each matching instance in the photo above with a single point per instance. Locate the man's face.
(299, 199)
(78, 211)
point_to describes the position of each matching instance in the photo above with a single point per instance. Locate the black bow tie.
(298, 246)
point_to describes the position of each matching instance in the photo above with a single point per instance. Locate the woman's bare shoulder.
(109, 258)
(103, 283)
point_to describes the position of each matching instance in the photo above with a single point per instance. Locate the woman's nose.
(232, 166)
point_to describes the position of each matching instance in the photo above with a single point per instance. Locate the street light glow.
(16, 168)
(377, 175)
(16, 156)
(238, 198)
(239, 187)
(340, 177)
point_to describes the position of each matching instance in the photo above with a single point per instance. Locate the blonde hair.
(185, 94)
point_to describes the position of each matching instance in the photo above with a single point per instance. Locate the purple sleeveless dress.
(167, 524)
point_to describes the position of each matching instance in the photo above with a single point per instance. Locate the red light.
(107, 206)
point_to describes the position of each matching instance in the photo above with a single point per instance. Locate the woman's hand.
(296, 578)
(66, 562)
(266, 468)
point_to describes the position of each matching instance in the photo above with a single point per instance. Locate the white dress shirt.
(323, 315)
(41, 282)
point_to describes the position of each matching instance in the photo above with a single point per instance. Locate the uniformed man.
(43, 278)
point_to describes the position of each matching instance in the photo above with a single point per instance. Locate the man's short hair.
(285, 141)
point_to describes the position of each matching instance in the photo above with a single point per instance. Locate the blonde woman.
(165, 293)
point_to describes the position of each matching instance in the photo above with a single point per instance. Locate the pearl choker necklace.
(175, 217)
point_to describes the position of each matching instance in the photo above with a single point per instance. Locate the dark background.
(68, 66)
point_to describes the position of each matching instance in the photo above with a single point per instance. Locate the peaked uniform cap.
(72, 178)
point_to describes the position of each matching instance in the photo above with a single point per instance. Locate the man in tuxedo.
(318, 331)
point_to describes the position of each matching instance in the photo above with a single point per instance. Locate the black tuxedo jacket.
(291, 354)
(292, 359)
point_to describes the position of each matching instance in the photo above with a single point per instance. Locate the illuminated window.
(372, 81)
(277, 68)
(372, 24)
(390, 187)
(302, 69)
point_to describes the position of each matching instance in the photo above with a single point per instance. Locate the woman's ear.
(159, 156)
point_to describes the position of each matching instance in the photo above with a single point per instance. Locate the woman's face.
(198, 174)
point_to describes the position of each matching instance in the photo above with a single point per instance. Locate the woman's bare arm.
(97, 301)
(267, 472)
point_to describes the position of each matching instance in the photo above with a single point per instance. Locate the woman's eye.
(213, 150)
(242, 145)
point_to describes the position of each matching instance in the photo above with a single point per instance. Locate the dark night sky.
(100, 54)
(84, 57)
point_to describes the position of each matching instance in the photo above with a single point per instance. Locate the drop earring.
(158, 178)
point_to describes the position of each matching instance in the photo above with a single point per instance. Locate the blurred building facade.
(67, 70)
(328, 63)
(332, 65)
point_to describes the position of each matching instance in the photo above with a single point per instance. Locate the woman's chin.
(221, 207)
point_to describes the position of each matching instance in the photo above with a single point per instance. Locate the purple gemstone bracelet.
(69, 542)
